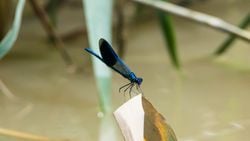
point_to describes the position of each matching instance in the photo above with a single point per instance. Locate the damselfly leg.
(138, 88)
(130, 87)
(130, 90)
(123, 87)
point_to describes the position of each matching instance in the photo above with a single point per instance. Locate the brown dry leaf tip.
(155, 126)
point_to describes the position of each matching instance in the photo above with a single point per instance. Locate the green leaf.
(226, 44)
(98, 14)
(10, 38)
(169, 36)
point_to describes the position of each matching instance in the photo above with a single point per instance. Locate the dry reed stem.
(199, 17)
(26, 136)
(5, 90)
(47, 25)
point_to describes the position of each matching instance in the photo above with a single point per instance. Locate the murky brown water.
(208, 101)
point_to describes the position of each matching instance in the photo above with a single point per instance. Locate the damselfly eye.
(139, 81)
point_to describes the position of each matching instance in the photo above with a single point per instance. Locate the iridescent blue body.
(111, 59)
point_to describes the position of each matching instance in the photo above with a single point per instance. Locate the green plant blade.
(98, 16)
(10, 38)
(170, 38)
(226, 44)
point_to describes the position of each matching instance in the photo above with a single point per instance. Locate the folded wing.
(110, 58)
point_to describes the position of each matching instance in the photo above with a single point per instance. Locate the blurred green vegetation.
(170, 38)
(8, 41)
(228, 42)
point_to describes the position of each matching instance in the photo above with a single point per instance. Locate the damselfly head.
(139, 81)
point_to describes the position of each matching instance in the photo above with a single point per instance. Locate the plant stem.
(226, 44)
(5, 90)
(26, 136)
(120, 27)
(47, 25)
(199, 17)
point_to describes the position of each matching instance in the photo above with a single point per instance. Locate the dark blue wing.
(110, 58)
